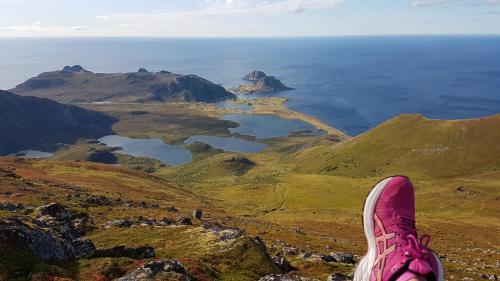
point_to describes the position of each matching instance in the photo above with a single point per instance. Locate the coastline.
(276, 106)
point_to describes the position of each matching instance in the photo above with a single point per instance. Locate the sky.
(246, 18)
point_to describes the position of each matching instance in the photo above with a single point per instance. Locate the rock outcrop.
(158, 270)
(54, 235)
(261, 83)
(41, 243)
(254, 75)
(75, 84)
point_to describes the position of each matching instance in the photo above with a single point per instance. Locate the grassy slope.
(293, 185)
(415, 146)
(53, 181)
(302, 188)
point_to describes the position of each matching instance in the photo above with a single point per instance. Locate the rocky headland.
(74, 84)
(261, 83)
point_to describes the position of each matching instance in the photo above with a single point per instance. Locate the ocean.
(351, 83)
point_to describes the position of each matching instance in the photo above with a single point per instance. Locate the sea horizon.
(344, 81)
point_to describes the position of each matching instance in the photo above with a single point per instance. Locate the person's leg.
(394, 250)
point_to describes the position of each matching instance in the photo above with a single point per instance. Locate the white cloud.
(212, 18)
(427, 3)
(39, 27)
(430, 3)
(261, 6)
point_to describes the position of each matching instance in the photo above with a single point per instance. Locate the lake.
(270, 126)
(151, 148)
(229, 144)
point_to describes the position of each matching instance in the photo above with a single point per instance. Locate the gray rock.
(305, 255)
(164, 270)
(184, 221)
(84, 247)
(343, 257)
(7, 206)
(41, 243)
(327, 258)
(82, 223)
(290, 251)
(254, 75)
(54, 210)
(282, 264)
(224, 233)
(118, 223)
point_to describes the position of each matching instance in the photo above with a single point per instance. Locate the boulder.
(142, 70)
(54, 210)
(41, 243)
(254, 75)
(282, 263)
(7, 206)
(184, 221)
(118, 223)
(64, 229)
(327, 258)
(82, 223)
(84, 247)
(224, 233)
(343, 257)
(158, 270)
(145, 252)
(290, 251)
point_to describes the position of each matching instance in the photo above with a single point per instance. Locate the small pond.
(151, 148)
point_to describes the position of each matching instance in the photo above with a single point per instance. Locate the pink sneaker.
(393, 247)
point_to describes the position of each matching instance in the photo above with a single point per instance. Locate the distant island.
(74, 84)
(261, 83)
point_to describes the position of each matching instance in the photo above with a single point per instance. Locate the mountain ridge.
(38, 123)
(74, 84)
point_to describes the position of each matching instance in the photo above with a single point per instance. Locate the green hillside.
(412, 145)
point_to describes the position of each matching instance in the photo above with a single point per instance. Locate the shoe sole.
(364, 268)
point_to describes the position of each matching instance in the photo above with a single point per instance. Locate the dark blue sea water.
(352, 83)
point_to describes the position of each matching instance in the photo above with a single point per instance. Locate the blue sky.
(246, 18)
